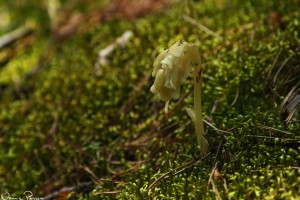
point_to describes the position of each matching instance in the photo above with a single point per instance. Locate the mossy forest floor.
(72, 127)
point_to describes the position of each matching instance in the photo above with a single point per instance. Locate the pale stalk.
(198, 110)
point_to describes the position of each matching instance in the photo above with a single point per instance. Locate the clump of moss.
(75, 126)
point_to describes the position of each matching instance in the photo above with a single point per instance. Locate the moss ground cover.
(68, 125)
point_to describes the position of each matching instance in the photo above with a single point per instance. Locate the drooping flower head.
(171, 69)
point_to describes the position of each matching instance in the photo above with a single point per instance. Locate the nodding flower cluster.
(171, 69)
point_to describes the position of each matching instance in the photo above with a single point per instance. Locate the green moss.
(69, 124)
(15, 69)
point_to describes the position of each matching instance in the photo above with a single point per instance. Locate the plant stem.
(198, 110)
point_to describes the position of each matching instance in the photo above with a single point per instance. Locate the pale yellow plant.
(172, 67)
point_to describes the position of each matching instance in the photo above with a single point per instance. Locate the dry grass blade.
(236, 97)
(273, 138)
(15, 35)
(273, 64)
(108, 192)
(273, 129)
(200, 26)
(132, 169)
(66, 190)
(280, 68)
(175, 171)
(172, 172)
(295, 101)
(90, 172)
(212, 182)
(215, 128)
(289, 95)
